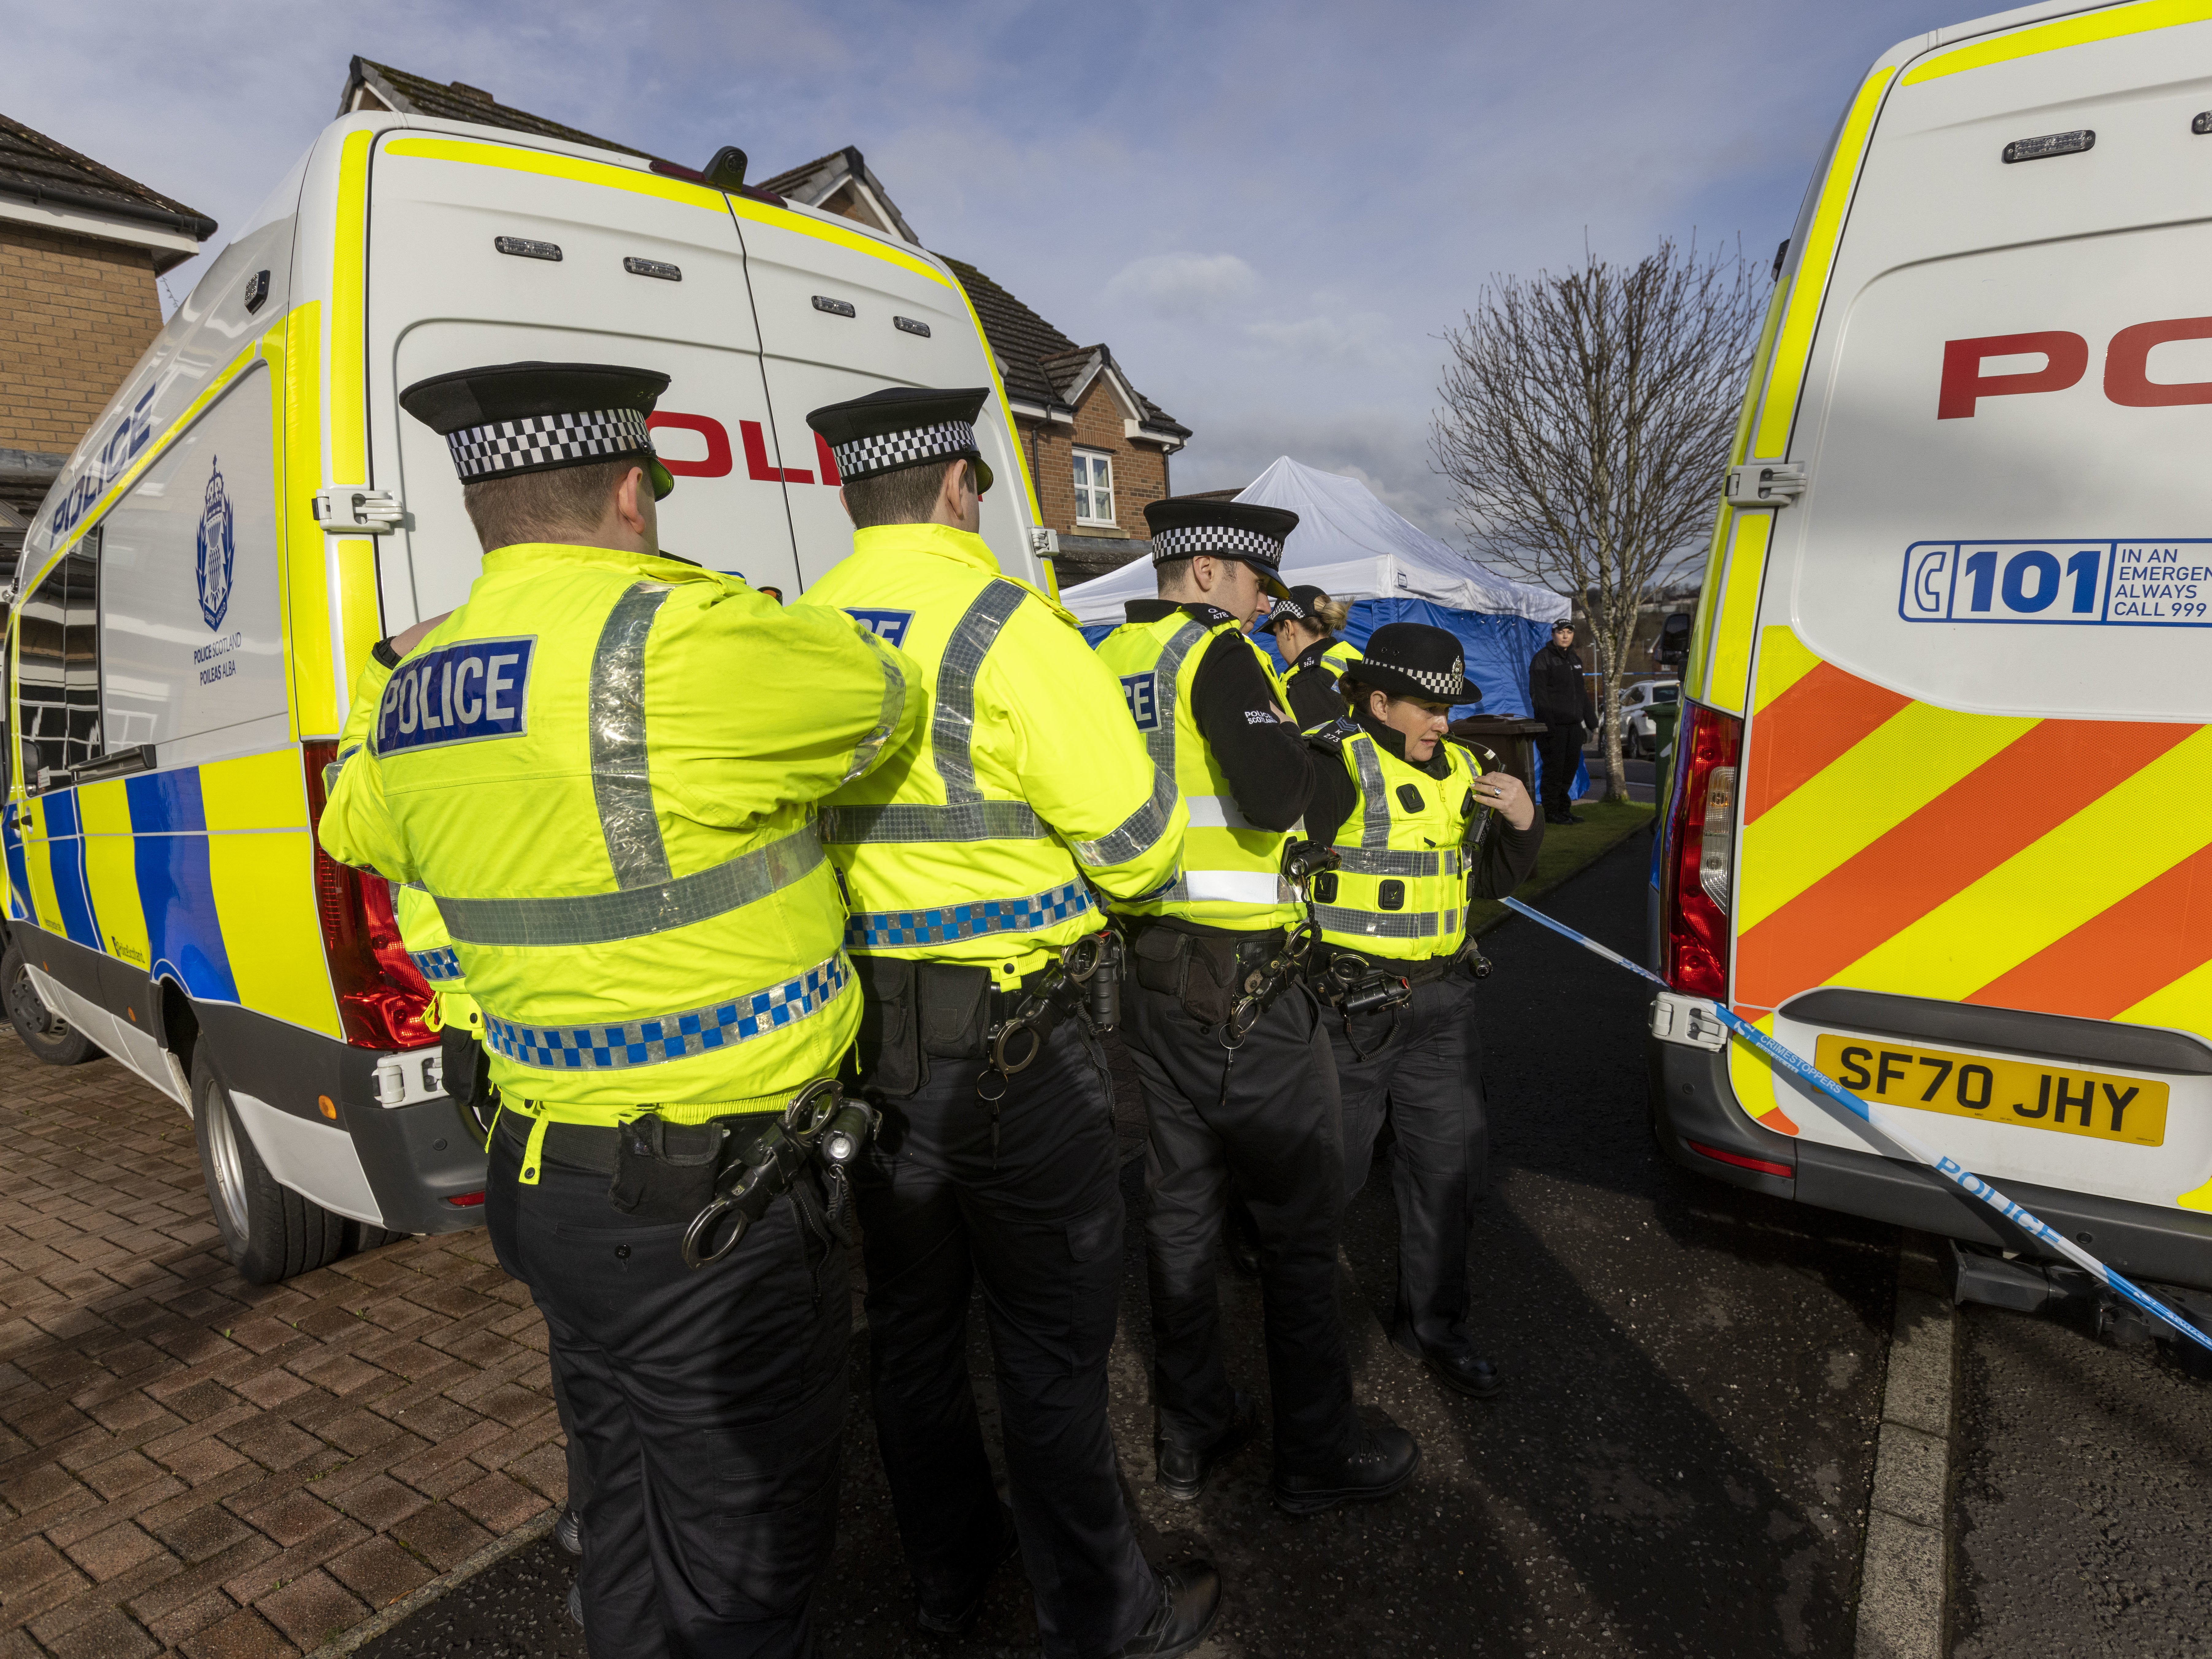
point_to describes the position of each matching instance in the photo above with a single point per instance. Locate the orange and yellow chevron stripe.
(2057, 866)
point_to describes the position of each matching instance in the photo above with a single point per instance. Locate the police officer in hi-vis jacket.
(1418, 828)
(1238, 1083)
(972, 860)
(625, 858)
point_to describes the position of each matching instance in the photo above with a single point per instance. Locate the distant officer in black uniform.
(1560, 695)
(1306, 624)
(1401, 807)
(1237, 1071)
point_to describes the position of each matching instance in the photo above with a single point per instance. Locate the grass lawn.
(1568, 848)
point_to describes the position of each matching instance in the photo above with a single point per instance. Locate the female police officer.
(1305, 626)
(1418, 827)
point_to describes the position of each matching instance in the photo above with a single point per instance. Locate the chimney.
(468, 91)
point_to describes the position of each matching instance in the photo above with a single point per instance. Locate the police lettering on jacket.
(458, 693)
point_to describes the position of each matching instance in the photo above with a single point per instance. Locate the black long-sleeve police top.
(1507, 854)
(1270, 773)
(1312, 685)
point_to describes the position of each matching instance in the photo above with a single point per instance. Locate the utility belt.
(718, 1177)
(1354, 983)
(1221, 981)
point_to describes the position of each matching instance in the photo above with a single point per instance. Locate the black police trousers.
(1277, 1133)
(1039, 1222)
(709, 1406)
(1563, 753)
(1423, 1065)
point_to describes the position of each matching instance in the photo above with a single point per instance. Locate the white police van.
(1941, 814)
(253, 512)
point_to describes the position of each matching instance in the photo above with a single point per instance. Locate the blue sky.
(1269, 211)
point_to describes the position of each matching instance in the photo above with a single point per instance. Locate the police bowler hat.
(507, 419)
(1412, 659)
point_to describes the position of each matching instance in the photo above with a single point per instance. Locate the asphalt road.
(1681, 1462)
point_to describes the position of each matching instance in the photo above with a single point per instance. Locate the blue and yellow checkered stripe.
(440, 965)
(663, 1037)
(203, 874)
(883, 930)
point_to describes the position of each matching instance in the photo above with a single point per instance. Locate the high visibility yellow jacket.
(422, 929)
(1024, 783)
(1400, 888)
(1342, 654)
(603, 767)
(1231, 868)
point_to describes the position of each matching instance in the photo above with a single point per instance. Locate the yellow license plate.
(2031, 1094)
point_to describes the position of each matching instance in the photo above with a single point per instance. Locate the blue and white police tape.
(1949, 1168)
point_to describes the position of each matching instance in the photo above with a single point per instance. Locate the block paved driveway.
(190, 1463)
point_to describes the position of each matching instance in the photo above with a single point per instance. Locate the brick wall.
(1140, 470)
(75, 314)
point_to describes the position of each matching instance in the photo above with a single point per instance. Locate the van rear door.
(1977, 771)
(842, 313)
(491, 252)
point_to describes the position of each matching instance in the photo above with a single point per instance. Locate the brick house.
(1097, 447)
(81, 249)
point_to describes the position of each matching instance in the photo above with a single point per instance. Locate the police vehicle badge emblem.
(217, 549)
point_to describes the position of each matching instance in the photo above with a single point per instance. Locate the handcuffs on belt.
(819, 1122)
(1085, 977)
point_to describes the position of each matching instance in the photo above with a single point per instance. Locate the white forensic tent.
(1351, 546)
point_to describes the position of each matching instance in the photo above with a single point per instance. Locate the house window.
(1094, 487)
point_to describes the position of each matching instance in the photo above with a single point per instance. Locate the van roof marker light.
(660, 267)
(2202, 123)
(2051, 143)
(523, 248)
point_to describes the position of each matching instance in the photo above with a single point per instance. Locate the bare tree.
(1587, 419)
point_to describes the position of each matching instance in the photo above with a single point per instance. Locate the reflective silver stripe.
(1160, 741)
(621, 780)
(1228, 887)
(864, 751)
(1361, 861)
(920, 821)
(1136, 834)
(1413, 924)
(1375, 824)
(1217, 812)
(602, 917)
(952, 724)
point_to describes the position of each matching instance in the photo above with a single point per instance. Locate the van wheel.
(45, 1032)
(359, 1237)
(270, 1231)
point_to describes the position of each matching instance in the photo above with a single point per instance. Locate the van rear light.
(1765, 1166)
(1698, 860)
(382, 998)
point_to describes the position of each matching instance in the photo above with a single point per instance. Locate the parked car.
(1639, 732)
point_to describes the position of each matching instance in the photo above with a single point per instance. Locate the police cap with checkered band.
(1412, 659)
(904, 426)
(1184, 527)
(507, 419)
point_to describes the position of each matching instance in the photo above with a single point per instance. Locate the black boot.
(1468, 1373)
(1182, 1474)
(1191, 1600)
(955, 1621)
(569, 1533)
(1384, 1461)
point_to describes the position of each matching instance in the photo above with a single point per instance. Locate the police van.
(1941, 815)
(253, 512)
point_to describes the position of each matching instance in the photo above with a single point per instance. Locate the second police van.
(253, 512)
(1941, 818)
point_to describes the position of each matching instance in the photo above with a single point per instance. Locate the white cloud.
(1185, 286)
(1361, 334)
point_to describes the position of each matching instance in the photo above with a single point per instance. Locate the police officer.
(452, 1013)
(625, 859)
(1306, 624)
(970, 860)
(1560, 695)
(1230, 1045)
(1401, 807)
